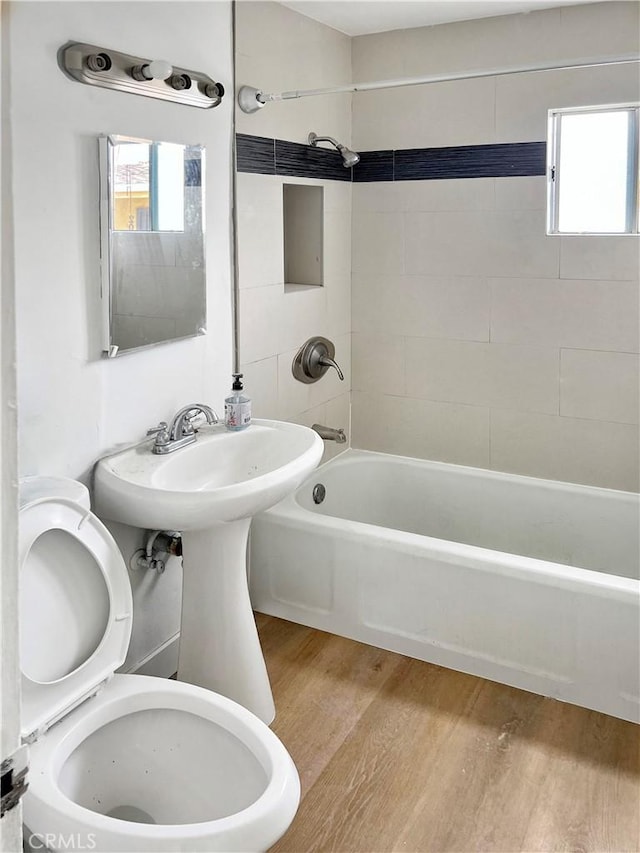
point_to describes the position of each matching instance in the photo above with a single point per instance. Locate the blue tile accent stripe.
(470, 161)
(255, 154)
(303, 161)
(374, 166)
(264, 156)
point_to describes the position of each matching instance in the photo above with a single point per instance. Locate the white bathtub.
(528, 582)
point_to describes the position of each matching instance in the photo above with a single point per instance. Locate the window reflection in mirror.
(152, 242)
(148, 188)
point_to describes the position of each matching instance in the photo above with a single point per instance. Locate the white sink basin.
(209, 490)
(222, 476)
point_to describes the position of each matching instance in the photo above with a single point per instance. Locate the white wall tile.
(563, 313)
(483, 43)
(376, 197)
(303, 313)
(260, 322)
(567, 449)
(377, 364)
(452, 113)
(422, 306)
(522, 193)
(337, 196)
(315, 415)
(571, 32)
(261, 28)
(604, 29)
(259, 193)
(420, 428)
(385, 119)
(518, 377)
(493, 244)
(337, 243)
(338, 296)
(601, 386)
(378, 56)
(260, 246)
(523, 100)
(261, 385)
(378, 243)
(338, 413)
(453, 194)
(600, 257)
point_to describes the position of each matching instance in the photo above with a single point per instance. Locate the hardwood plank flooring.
(396, 754)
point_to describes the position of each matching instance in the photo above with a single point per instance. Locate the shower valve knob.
(313, 359)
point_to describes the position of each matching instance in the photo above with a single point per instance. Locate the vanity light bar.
(111, 69)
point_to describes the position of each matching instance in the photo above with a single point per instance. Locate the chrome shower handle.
(313, 359)
(325, 361)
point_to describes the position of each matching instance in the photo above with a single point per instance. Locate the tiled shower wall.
(474, 338)
(279, 50)
(477, 339)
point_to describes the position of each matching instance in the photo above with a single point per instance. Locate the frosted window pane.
(594, 159)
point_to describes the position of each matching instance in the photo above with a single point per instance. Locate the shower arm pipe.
(247, 94)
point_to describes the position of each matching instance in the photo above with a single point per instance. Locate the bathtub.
(532, 583)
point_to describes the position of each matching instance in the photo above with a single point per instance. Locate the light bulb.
(159, 69)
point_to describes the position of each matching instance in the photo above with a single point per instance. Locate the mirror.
(152, 242)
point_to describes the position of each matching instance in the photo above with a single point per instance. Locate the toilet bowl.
(125, 762)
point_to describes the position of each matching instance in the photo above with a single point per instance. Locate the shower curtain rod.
(251, 99)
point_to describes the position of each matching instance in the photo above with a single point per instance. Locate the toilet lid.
(75, 609)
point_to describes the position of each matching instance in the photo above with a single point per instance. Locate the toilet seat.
(82, 721)
(64, 660)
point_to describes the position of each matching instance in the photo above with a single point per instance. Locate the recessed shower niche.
(303, 212)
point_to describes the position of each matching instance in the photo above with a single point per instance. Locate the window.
(593, 170)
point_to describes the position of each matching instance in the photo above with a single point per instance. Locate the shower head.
(349, 158)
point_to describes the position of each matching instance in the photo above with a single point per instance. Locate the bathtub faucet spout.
(330, 434)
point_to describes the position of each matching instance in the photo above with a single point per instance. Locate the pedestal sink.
(209, 491)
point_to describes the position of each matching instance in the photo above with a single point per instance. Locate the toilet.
(125, 762)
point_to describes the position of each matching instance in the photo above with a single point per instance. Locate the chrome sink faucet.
(182, 431)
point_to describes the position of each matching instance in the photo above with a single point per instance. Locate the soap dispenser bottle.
(237, 407)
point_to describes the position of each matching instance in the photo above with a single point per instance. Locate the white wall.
(477, 339)
(278, 49)
(75, 406)
(10, 825)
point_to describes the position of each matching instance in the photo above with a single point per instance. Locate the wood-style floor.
(399, 755)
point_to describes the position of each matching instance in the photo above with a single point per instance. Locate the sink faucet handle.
(161, 433)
